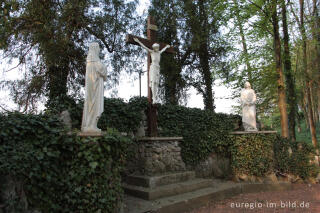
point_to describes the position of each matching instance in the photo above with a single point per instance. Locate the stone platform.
(252, 132)
(218, 190)
(162, 190)
(91, 134)
(159, 171)
(156, 156)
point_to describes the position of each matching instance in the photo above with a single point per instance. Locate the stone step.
(167, 190)
(160, 180)
(192, 200)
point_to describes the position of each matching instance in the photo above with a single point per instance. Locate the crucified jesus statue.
(154, 67)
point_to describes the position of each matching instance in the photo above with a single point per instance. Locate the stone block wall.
(154, 156)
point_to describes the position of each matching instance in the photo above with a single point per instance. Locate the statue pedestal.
(90, 134)
(158, 155)
(158, 170)
(252, 132)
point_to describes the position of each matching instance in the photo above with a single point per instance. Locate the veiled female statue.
(248, 101)
(94, 89)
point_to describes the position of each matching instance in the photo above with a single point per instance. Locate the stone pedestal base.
(90, 134)
(252, 132)
(158, 171)
(158, 155)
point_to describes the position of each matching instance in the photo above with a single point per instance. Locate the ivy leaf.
(93, 165)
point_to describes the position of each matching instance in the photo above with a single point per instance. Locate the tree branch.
(100, 38)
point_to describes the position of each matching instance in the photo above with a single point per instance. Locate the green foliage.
(203, 131)
(258, 154)
(62, 173)
(297, 163)
(167, 12)
(252, 154)
(122, 116)
(50, 39)
(304, 134)
(64, 102)
(125, 117)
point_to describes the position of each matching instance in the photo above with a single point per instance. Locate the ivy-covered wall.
(252, 154)
(56, 172)
(118, 114)
(262, 154)
(299, 161)
(203, 131)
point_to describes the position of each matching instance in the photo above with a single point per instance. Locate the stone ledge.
(252, 132)
(196, 199)
(167, 190)
(159, 180)
(91, 134)
(144, 139)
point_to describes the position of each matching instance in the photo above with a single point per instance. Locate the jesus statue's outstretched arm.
(141, 44)
(164, 49)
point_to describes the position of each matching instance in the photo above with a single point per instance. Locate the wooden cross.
(151, 39)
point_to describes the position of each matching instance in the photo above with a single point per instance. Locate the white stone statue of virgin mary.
(94, 89)
(248, 101)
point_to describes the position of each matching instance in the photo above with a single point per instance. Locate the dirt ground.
(303, 198)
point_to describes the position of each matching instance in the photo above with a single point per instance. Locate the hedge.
(297, 163)
(260, 154)
(60, 172)
(252, 154)
(203, 131)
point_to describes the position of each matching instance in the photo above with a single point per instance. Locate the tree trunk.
(316, 31)
(305, 109)
(203, 53)
(208, 95)
(313, 103)
(281, 89)
(316, 38)
(57, 81)
(244, 43)
(197, 13)
(291, 93)
(307, 78)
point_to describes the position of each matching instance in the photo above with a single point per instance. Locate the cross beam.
(148, 43)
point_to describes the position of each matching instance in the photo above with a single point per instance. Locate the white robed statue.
(93, 102)
(248, 101)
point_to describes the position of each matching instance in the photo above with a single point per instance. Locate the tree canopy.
(51, 38)
(273, 44)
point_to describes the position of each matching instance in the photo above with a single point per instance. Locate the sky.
(129, 85)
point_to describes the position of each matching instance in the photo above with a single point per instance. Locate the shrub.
(64, 102)
(203, 131)
(258, 154)
(297, 163)
(252, 154)
(125, 117)
(62, 173)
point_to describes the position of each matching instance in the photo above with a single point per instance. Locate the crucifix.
(154, 51)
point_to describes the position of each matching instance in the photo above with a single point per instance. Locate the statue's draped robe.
(93, 104)
(248, 100)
